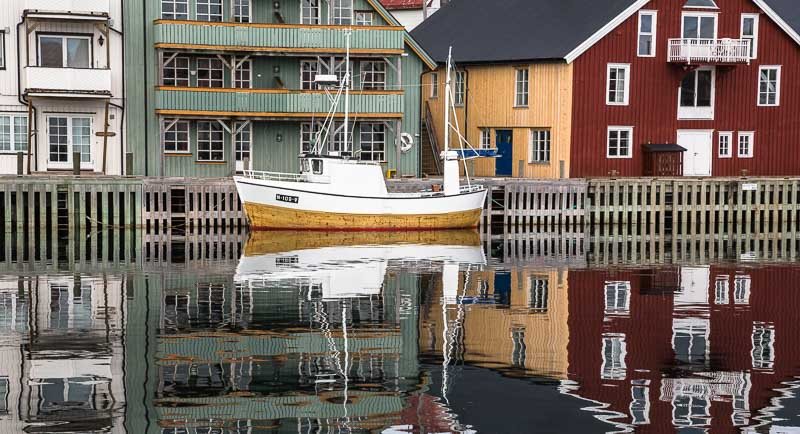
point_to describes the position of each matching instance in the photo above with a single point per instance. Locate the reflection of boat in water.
(352, 264)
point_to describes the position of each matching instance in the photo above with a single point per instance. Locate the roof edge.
(778, 20)
(415, 47)
(605, 30)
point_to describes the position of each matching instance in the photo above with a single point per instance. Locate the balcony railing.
(91, 7)
(709, 50)
(273, 102)
(277, 37)
(67, 81)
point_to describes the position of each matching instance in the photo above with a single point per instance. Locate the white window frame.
(336, 140)
(368, 70)
(539, 300)
(2, 49)
(244, 138)
(434, 85)
(336, 17)
(460, 88)
(617, 128)
(640, 406)
(70, 142)
(176, 144)
(174, 15)
(64, 50)
(214, 127)
(171, 65)
(754, 37)
(722, 289)
(653, 34)
(741, 289)
(212, 83)
(695, 111)
(14, 145)
(759, 344)
(522, 87)
(239, 81)
(700, 15)
(309, 84)
(626, 85)
(619, 305)
(239, 6)
(306, 5)
(727, 135)
(209, 17)
(540, 146)
(750, 135)
(307, 136)
(486, 138)
(361, 18)
(777, 69)
(372, 133)
(614, 368)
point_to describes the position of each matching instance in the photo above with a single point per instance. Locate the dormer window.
(702, 4)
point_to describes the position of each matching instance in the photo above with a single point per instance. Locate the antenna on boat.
(347, 35)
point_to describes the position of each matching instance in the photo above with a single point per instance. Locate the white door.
(697, 158)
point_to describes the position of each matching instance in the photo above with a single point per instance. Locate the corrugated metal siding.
(654, 97)
(250, 36)
(412, 116)
(242, 102)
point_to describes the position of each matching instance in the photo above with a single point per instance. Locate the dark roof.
(700, 4)
(664, 147)
(789, 11)
(514, 30)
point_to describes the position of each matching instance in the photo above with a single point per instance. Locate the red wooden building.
(710, 347)
(720, 78)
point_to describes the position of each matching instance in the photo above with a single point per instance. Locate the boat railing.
(285, 177)
(471, 188)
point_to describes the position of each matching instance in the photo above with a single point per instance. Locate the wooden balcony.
(273, 103)
(709, 51)
(281, 39)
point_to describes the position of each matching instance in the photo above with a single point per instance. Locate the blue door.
(504, 163)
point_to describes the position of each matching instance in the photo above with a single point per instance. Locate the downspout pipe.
(21, 98)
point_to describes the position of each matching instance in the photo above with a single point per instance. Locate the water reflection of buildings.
(62, 354)
(691, 347)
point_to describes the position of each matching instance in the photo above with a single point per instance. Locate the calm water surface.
(394, 333)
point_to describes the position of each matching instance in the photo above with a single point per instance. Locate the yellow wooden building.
(522, 109)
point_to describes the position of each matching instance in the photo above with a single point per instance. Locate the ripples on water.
(395, 333)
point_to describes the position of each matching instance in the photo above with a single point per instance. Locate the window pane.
(21, 133)
(51, 53)
(707, 25)
(748, 26)
(647, 24)
(5, 133)
(703, 88)
(78, 53)
(81, 138)
(57, 136)
(687, 90)
(690, 27)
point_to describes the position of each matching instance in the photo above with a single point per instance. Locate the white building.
(411, 13)
(61, 78)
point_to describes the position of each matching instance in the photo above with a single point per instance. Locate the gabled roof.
(415, 47)
(394, 5)
(786, 13)
(483, 31)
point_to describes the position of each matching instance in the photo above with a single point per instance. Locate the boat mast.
(447, 103)
(346, 125)
(452, 182)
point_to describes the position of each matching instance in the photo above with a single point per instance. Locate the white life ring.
(406, 142)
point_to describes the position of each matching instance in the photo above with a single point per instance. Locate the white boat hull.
(273, 204)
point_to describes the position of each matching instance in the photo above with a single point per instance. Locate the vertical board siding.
(490, 104)
(654, 98)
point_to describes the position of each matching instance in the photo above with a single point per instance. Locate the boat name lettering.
(286, 198)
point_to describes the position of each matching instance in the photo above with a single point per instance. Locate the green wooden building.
(214, 85)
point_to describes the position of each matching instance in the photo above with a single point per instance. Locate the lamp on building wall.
(276, 69)
(276, 5)
(279, 137)
(101, 40)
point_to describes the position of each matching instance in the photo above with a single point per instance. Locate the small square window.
(769, 86)
(725, 140)
(745, 148)
(619, 142)
(618, 84)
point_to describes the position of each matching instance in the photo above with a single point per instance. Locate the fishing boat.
(338, 191)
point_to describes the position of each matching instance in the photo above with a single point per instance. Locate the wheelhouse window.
(67, 135)
(745, 144)
(209, 10)
(61, 51)
(365, 18)
(486, 138)
(618, 84)
(342, 12)
(769, 86)
(725, 139)
(697, 95)
(175, 136)
(647, 33)
(699, 26)
(210, 72)
(175, 9)
(521, 88)
(373, 142)
(460, 88)
(210, 141)
(749, 31)
(614, 352)
(13, 133)
(308, 71)
(309, 11)
(619, 142)
(176, 70)
(540, 146)
(373, 75)
(434, 85)
(243, 78)
(241, 11)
